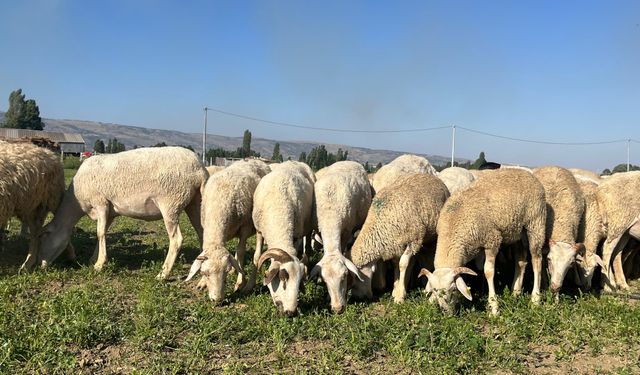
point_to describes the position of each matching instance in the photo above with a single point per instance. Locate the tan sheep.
(590, 232)
(146, 183)
(565, 208)
(619, 204)
(31, 185)
(585, 174)
(499, 208)
(212, 169)
(227, 206)
(402, 217)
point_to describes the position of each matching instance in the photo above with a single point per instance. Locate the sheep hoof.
(98, 267)
(536, 298)
(517, 293)
(161, 276)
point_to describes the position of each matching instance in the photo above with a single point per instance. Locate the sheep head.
(214, 266)
(587, 267)
(285, 287)
(51, 243)
(561, 257)
(336, 270)
(443, 283)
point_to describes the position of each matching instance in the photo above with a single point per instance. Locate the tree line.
(22, 114)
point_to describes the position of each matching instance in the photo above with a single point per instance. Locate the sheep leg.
(489, 273)
(103, 223)
(193, 213)
(399, 286)
(520, 262)
(618, 270)
(251, 283)
(34, 224)
(175, 241)
(608, 280)
(240, 251)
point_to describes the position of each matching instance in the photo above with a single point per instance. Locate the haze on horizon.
(553, 71)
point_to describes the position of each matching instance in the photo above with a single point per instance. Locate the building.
(68, 143)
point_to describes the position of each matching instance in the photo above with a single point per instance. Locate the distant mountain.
(134, 135)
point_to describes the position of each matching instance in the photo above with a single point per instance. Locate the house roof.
(7, 133)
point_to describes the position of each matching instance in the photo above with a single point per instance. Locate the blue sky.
(548, 70)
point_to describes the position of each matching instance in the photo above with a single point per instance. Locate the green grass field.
(70, 319)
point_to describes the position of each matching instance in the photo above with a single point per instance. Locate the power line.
(290, 125)
(543, 142)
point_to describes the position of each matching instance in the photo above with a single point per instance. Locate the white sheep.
(227, 205)
(146, 183)
(342, 196)
(402, 217)
(494, 210)
(31, 185)
(399, 167)
(565, 208)
(456, 178)
(619, 205)
(585, 174)
(282, 215)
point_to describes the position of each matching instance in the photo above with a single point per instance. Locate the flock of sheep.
(406, 216)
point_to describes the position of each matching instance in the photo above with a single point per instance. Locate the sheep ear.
(462, 287)
(195, 267)
(579, 248)
(315, 271)
(270, 275)
(598, 260)
(352, 267)
(424, 272)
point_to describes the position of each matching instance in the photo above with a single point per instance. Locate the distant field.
(70, 319)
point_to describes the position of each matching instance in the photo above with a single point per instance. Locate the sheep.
(590, 232)
(619, 205)
(585, 174)
(402, 217)
(500, 208)
(343, 196)
(227, 205)
(31, 185)
(212, 169)
(282, 214)
(565, 208)
(146, 183)
(401, 166)
(456, 178)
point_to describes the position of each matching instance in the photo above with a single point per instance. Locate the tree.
(114, 146)
(276, 153)
(606, 172)
(623, 168)
(98, 146)
(246, 144)
(379, 165)
(479, 161)
(160, 144)
(303, 157)
(22, 114)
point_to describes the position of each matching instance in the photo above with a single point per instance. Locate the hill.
(135, 135)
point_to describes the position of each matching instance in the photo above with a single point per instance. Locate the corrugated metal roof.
(6, 133)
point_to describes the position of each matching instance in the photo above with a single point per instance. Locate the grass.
(70, 319)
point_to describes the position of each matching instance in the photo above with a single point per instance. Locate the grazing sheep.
(499, 208)
(402, 217)
(399, 167)
(146, 183)
(227, 205)
(282, 214)
(619, 204)
(565, 208)
(212, 169)
(456, 178)
(343, 196)
(31, 185)
(585, 174)
(590, 232)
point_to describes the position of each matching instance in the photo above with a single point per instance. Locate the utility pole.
(628, 161)
(204, 136)
(453, 143)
